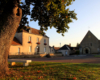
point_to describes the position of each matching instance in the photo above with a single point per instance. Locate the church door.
(86, 51)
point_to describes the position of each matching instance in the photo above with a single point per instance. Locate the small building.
(54, 49)
(65, 50)
(51, 49)
(74, 50)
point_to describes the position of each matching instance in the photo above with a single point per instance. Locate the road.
(68, 59)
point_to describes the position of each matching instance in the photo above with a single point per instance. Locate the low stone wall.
(27, 56)
(55, 55)
(34, 56)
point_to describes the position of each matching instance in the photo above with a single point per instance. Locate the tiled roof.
(49, 46)
(25, 31)
(35, 31)
(15, 42)
(56, 48)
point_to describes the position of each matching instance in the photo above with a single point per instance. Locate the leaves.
(49, 13)
(74, 78)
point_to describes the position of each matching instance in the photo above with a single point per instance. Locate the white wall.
(64, 52)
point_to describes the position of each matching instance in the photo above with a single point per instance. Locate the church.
(90, 44)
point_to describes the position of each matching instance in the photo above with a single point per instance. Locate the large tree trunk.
(9, 22)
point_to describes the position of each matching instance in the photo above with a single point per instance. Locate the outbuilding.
(65, 50)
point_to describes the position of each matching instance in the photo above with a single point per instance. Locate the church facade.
(90, 44)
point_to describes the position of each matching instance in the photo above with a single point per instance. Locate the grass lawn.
(54, 71)
(97, 56)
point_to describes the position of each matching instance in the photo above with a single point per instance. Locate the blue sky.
(88, 14)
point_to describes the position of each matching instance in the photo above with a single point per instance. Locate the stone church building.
(90, 44)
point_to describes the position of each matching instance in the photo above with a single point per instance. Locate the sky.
(88, 18)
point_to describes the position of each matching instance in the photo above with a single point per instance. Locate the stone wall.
(33, 56)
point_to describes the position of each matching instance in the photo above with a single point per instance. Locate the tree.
(13, 17)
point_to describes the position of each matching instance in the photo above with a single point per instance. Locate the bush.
(58, 52)
(77, 52)
(48, 56)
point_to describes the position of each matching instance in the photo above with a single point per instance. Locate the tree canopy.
(48, 13)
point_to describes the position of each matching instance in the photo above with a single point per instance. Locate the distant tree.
(13, 17)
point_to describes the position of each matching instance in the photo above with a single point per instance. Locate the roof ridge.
(32, 27)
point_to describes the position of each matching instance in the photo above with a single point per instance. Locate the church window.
(90, 44)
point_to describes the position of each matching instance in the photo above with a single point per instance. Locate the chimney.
(69, 44)
(30, 30)
(60, 44)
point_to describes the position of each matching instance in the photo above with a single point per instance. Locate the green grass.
(54, 71)
(97, 56)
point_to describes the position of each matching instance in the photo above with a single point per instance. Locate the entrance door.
(66, 52)
(37, 49)
(86, 51)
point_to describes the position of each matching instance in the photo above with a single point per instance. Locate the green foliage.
(77, 52)
(49, 13)
(96, 55)
(48, 56)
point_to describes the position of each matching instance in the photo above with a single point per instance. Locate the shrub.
(77, 52)
(58, 52)
(48, 56)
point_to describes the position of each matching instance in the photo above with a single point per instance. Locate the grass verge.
(97, 56)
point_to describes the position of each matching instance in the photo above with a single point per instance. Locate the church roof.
(89, 34)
